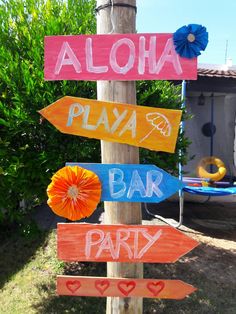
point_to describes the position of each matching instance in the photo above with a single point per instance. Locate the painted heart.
(102, 285)
(126, 287)
(73, 285)
(155, 287)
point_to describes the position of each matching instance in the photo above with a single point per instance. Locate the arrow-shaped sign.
(153, 128)
(121, 243)
(133, 182)
(123, 287)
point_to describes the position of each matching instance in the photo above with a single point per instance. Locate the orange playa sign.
(148, 127)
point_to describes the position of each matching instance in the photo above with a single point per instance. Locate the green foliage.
(164, 94)
(31, 149)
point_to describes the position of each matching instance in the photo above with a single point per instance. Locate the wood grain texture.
(122, 287)
(116, 57)
(133, 183)
(141, 126)
(124, 20)
(121, 243)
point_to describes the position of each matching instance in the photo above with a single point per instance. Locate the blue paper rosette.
(190, 40)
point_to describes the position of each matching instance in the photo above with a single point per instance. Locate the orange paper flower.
(74, 192)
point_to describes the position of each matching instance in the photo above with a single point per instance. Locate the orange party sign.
(121, 243)
(148, 127)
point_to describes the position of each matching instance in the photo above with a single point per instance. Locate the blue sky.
(218, 16)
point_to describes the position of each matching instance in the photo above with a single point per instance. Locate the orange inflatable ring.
(201, 169)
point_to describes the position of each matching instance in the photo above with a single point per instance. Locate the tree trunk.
(119, 19)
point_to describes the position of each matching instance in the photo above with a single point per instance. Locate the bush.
(164, 94)
(32, 149)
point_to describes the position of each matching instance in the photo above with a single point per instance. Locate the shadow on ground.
(69, 304)
(65, 304)
(217, 219)
(212, 271)
(16, 251)
(214, 219)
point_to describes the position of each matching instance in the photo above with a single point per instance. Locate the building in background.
(211, 99)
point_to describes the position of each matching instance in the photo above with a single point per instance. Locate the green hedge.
(32, 149)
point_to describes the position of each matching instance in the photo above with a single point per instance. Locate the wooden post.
(120, 19)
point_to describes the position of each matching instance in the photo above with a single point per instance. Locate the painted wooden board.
(122, 287)
(153, 128)
(133, 182)
(116, 57)
(121, 243)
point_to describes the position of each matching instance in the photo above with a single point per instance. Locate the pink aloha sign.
(116, 57)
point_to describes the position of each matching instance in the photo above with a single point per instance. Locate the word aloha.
(67, 57)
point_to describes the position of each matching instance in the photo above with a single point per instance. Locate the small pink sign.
(116, 57)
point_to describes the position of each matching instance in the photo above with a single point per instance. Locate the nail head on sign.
(191, 38)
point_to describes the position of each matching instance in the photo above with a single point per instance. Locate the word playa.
(116, 56)
(153, 128)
